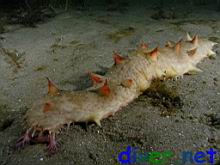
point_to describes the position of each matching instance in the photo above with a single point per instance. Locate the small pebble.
(215, 83)
(211, 140)
(215, 79)
(195, 120)
(190, 116)
(177, 120)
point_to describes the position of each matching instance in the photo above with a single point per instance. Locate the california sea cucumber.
(125, 81)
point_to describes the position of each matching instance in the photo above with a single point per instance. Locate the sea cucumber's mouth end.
(23, 140)
(33, 136)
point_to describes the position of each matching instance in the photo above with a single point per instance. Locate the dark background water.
(30, 12)
(37, 3)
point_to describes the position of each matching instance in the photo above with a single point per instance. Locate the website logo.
(133, 156)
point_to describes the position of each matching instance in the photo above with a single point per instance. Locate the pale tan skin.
(126, 81)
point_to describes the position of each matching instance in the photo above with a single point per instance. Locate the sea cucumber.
(128, 78)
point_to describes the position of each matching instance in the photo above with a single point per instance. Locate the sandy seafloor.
(69, 45)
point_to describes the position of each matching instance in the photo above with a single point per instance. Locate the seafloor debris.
(13, 57)
(121, 33)
(213, 119)
(58, 44)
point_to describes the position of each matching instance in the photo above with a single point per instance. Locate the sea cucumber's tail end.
(211, 53)
(214, 43)
(188, 37)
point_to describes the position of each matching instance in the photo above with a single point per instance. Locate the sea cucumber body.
(140, 68)
(83, 106)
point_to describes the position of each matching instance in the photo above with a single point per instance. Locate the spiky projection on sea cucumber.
(128, 78)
